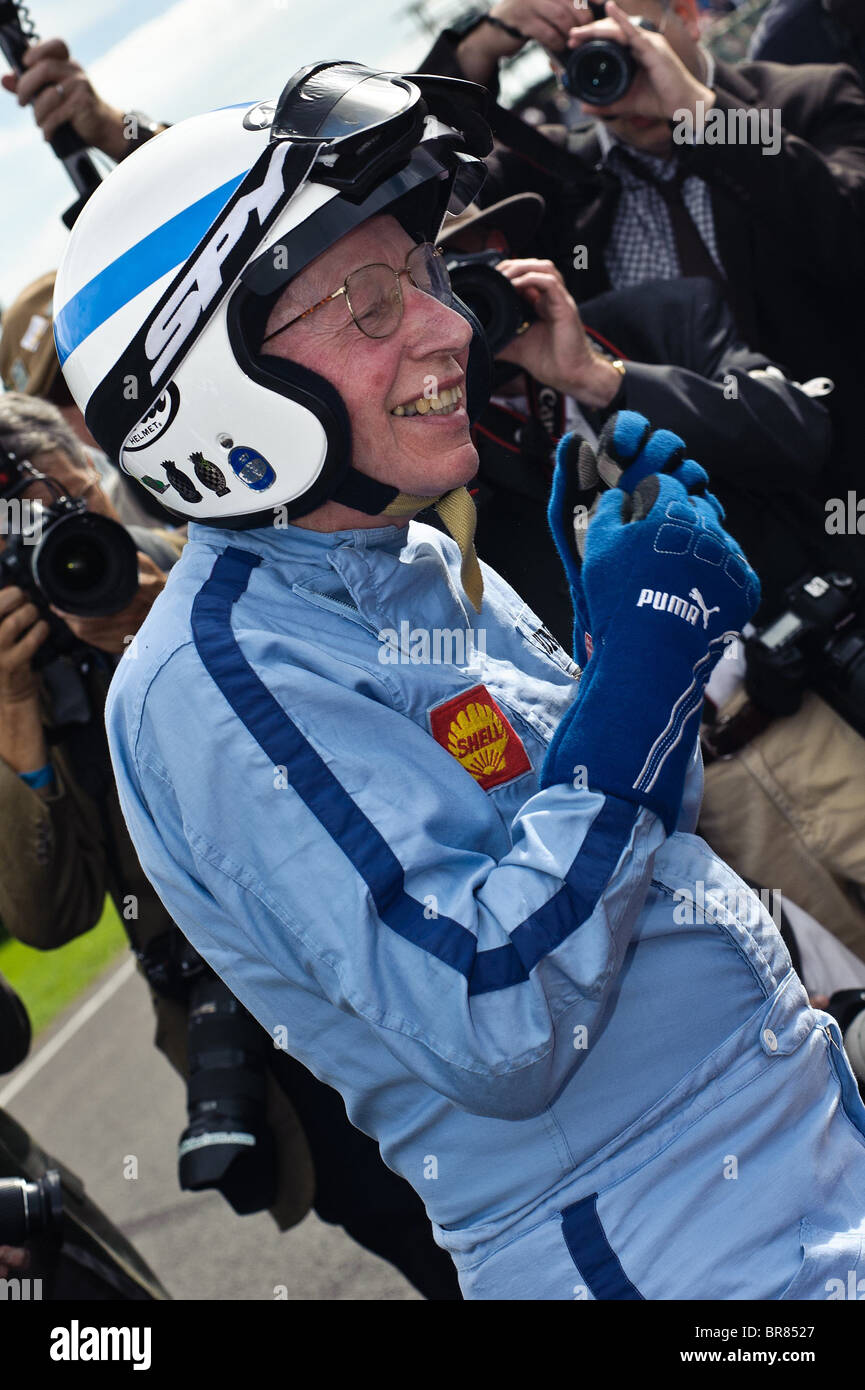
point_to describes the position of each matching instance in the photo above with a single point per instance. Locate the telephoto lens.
(227, 1143)
(29, 1209)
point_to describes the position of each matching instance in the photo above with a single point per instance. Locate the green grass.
(48, 981)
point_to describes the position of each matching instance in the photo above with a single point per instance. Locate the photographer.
(450, 881)
(64, 845)
(771, 203)
(785, 804)
(29, 364)
(667, 349)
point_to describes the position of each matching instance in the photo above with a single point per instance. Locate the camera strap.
(537, 149)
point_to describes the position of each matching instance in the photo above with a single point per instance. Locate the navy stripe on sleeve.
(592, 1253)
(284, 744)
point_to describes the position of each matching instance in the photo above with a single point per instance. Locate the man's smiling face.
(425, 453)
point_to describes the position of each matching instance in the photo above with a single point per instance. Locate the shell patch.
(475, 731)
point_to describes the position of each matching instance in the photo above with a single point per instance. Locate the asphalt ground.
(104, 1095)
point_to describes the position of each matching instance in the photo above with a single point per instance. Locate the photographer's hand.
(22, 632)
(555, 349)
(60, 91)
(113, 634)
(663, 84)
(14, 1259)
(546, 21)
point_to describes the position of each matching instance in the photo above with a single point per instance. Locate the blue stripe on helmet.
(148, 260)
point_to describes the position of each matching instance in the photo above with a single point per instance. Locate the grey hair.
(30, 426)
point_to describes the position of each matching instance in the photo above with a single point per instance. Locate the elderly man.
(443, 875)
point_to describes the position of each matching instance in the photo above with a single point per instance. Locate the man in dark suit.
(773, 209)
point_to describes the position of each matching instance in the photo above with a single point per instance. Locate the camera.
(61, 554)
(818, 643)
(227, 1143)
(503, 314)
(601, 71)
(30, 1209)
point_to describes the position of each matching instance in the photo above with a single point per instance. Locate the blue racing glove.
(627, 449)
(661, 588)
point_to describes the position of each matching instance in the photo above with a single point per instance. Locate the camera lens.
(29, 1209)
(86, 564)
(492, 298)
(78, 564)
(599, 73)
(227, 1144)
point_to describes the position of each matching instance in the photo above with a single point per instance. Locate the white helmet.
(173, 265)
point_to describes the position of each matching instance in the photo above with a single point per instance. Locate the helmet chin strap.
(457, 511)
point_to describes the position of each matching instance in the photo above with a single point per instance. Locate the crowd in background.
(716, 287)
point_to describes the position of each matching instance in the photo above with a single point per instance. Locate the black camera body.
(503, 314)
(818, 643)
(62, 555)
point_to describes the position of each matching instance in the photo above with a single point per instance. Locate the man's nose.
(434, 325)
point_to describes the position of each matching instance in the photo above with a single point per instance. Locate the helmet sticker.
(179, 481)
(155, 483)
(251, 468)
(209, 475)
(157, 419)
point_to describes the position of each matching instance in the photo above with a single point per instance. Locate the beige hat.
(517, 217)
(28, 358)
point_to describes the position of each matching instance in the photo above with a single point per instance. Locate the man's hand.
(556, 349)
(662, 86)
(22, 633)
(60, 91)
(548, 22)
(113, 634)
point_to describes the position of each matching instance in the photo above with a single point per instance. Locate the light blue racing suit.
(579, 1040)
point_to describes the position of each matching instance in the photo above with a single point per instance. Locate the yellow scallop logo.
(478, 740)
